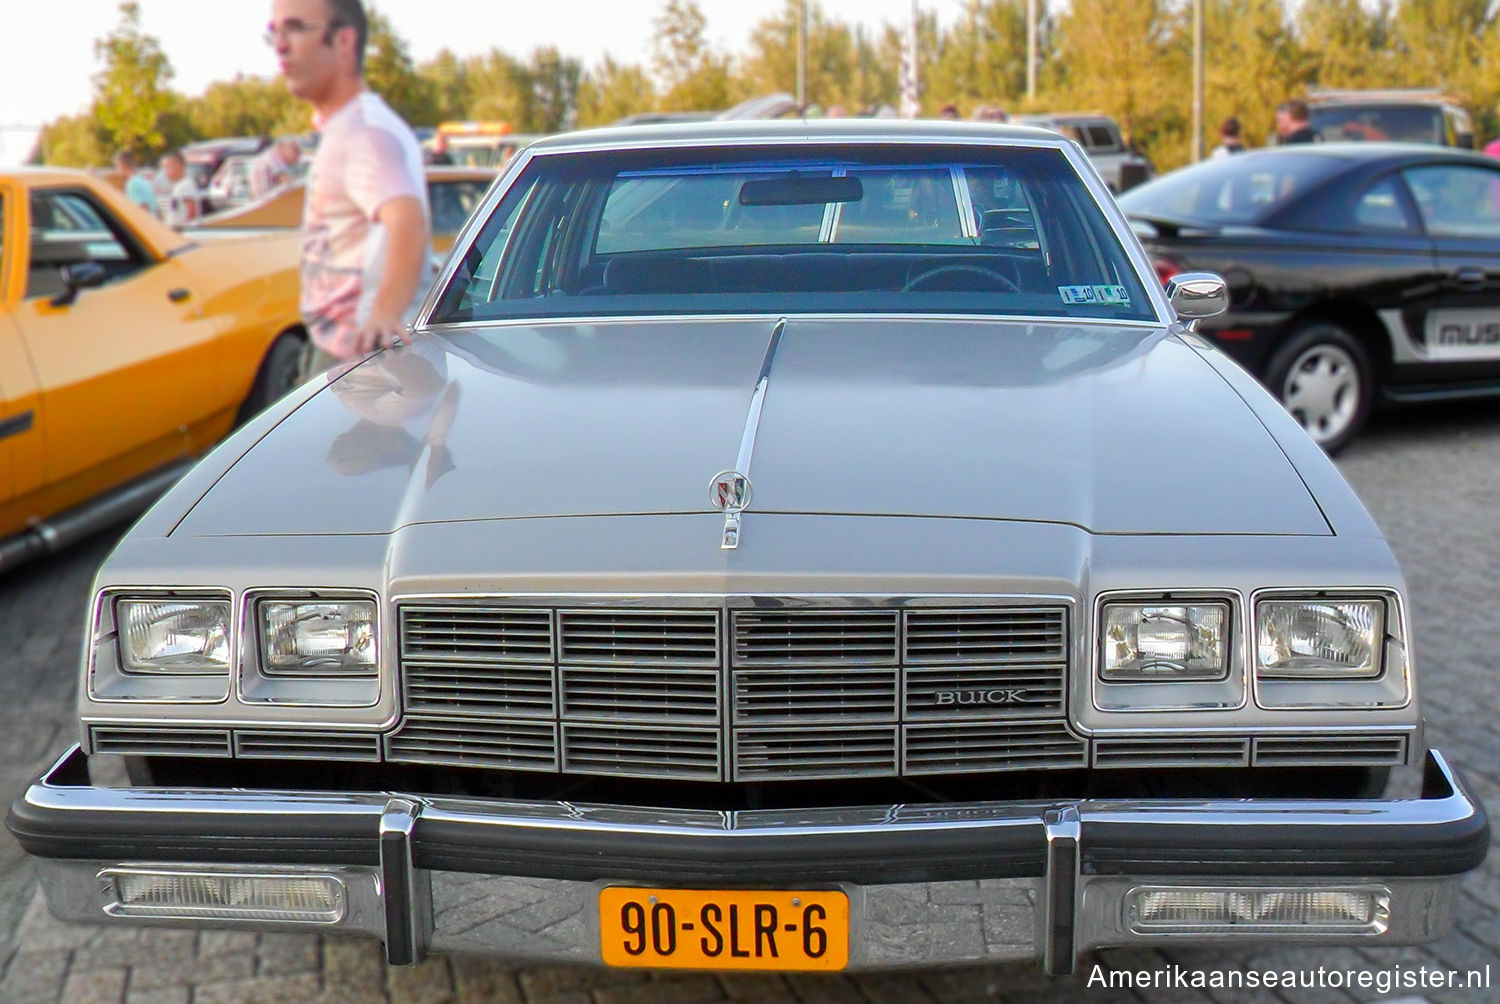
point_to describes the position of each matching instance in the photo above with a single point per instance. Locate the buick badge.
(730, 491)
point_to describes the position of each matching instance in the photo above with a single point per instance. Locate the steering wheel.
(921, 280)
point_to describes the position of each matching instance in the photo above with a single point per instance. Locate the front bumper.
(927, 884)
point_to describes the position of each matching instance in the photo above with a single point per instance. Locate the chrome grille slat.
(637, 751)
(935, 749)
(654, 637)
(161, 741)
(504, 634)
(1318, 751)
(1172, 751)
(287, 744)
(805, 753)
(814, 638)
(492, 742)
(834, 695)
(985, 635)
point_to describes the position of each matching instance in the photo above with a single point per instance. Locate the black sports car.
(1357, 271)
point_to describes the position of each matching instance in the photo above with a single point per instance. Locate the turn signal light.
(1240, 910)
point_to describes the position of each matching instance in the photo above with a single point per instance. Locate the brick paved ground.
(1432, 479)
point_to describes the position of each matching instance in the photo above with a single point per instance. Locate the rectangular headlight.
(189, 637)
(318, 638)
(1165, 642)
(1319, 638)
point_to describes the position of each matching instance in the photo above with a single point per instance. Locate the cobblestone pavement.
(1432, 480)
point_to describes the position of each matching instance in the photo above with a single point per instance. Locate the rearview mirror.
(79, 275)
(799, 190)
(1196, 295)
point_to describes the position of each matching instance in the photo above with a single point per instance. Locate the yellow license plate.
(724, 928)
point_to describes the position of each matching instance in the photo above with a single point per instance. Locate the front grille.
(761, 692)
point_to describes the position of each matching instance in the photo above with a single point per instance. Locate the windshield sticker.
(1111, 296)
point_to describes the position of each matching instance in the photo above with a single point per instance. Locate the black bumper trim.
(1443, 833)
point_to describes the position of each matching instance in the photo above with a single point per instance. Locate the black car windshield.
(1242, 189)
(843, 228)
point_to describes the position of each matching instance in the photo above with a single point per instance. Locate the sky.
(47, 46)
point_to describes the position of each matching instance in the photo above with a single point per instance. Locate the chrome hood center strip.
(732, 512)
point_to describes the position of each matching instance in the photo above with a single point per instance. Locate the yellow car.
(126, 350)
(452, 193)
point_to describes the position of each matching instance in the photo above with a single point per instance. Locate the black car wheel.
(1322, 376)
(278, 374)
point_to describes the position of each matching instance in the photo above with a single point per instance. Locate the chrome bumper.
(927, 884)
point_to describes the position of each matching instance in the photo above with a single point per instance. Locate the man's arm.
(406, 250)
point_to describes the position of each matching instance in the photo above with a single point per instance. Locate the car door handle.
(1470, 277)
(178, 295)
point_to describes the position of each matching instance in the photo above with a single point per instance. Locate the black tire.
(1322, 375)
(279, 372)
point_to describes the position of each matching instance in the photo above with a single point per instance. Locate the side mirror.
(1196, 295)
(80, 275)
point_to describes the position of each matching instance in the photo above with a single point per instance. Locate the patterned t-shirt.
(366, 157)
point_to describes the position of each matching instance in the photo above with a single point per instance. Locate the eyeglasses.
(295, 26)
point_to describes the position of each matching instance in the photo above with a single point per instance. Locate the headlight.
(1165, 642)
(1327, 639)
(318, 638)
(174, 636)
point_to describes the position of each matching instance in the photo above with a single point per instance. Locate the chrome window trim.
(1087, 173)
(1238, 654)
(1391, 597)
(1020, 319)
(967, 224)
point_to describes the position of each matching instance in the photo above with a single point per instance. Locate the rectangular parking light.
(174, 636)
(1243, 910)
(1164, 642)
(319, 638)
(184, 895)
(1331, 639)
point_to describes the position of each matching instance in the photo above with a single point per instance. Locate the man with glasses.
(365, 219)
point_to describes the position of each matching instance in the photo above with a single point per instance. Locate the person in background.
(179, 199)
(1230, 142)
(137, 188)
(1292, 122)
(990, 113)
(949, 112)
(365, 219)
(274, 167)
(439, 153)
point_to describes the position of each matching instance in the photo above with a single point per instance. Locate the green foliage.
(833, 57)
(691, 76)
(984, 60)
(611, 91)
(246, 106)
(130, 93)
(389, 72)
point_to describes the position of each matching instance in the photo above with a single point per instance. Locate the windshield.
(1374, 123)
(1242, 189)
(850, 229)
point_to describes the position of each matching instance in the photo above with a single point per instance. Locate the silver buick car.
(779, 546)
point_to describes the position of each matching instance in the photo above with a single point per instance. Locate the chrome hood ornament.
(730, 491)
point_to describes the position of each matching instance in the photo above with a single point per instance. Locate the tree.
(389, 72)
(72, 141)
(246, 106)
(983, 60)
(448, 80)
(611, 91)
(832, 57)
(550, 98)
(690, 75)
(1128, 58)
(1347, 42)
(130, 93)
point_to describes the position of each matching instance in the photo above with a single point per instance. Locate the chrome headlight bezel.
(109, 680)
(1229, 691)
(1389, 689)
(1366, 641)
(260, 682)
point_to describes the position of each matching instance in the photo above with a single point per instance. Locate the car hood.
(1113, 428)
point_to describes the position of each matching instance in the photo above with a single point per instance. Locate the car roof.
(717, 132)
(1371, 150)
